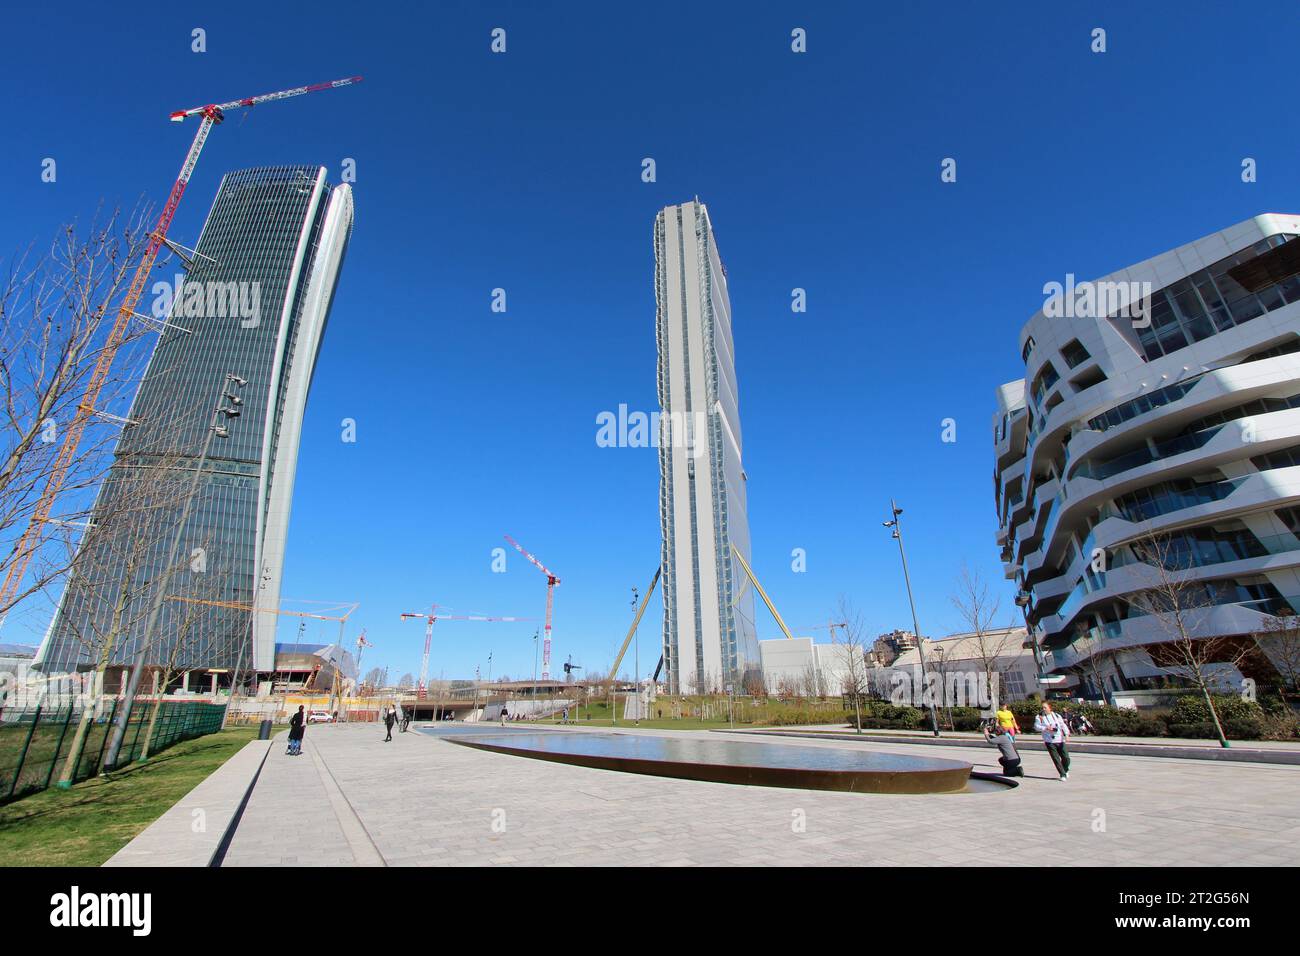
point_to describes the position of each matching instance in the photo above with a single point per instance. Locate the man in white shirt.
(1055, 732)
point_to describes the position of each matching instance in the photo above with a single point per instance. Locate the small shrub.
(1234, 729)
(1120, 722)
(1281, 727)
(1192, 709)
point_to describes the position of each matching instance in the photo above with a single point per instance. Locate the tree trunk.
(1214, 715)
(153, 717)
(68, 775)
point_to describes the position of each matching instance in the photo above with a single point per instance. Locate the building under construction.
(273, 247)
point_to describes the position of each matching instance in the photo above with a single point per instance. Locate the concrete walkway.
(420, 800)
(191, 833)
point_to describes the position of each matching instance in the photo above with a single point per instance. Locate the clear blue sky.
(522, 171)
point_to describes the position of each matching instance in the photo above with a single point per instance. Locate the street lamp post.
(897, 525)
(535, 633)
(227, 404)
(636, 658)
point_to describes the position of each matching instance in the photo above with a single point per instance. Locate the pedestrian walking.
(390, 718)
(297, 730)
(1055, 732)
(505, 715)
(1005, 741)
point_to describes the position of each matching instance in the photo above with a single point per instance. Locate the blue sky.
(522, 171)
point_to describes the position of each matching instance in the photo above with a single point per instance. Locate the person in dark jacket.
(390, 718)
(297, 730)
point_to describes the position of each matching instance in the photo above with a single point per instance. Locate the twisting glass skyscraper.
(709, 636)
(254, 304)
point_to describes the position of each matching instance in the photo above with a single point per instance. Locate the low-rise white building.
(961, 663)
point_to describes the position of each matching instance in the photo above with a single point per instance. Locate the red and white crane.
(212, 114)
(551, 582)
(429, 618)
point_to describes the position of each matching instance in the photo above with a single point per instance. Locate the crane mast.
(551, 582)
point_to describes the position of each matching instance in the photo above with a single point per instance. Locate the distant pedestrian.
(1055, 733)
(1079, 724)
(390, 718)
(1009, 757)
(564, 716)
(505, 715)
(297, 730)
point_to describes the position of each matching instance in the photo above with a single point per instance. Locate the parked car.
(320, 717)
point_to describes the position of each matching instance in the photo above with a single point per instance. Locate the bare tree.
(852, 646)
(1178, 604)
(939, 668)
(112, 579)
(188, 633)
(979, 609)
(1279, 643)
(56, 313)
(810, 682)
(1090, 647)
(754, 684)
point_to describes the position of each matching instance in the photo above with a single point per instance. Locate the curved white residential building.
(1180, 420)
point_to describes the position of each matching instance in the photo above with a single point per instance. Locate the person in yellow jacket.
(1007, 720)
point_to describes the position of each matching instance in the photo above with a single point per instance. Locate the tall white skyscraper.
(709, 635)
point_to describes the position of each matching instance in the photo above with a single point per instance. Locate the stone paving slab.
(191, 832)
(423, 801)
(289, 820)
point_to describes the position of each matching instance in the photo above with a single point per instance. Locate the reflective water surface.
(710, 750)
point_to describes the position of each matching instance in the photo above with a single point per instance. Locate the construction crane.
(434, 615)
(362, 644)
(831, 625)
(551, 582)
(212, 114)
(239, 606)
(636, 621)
(570, 667)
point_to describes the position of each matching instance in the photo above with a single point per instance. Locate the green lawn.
(597, 715)
(87, 824)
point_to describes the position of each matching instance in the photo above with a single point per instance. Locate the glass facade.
(241, 309)
(1215, 299)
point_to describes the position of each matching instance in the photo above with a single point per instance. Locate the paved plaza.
(352, 799)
